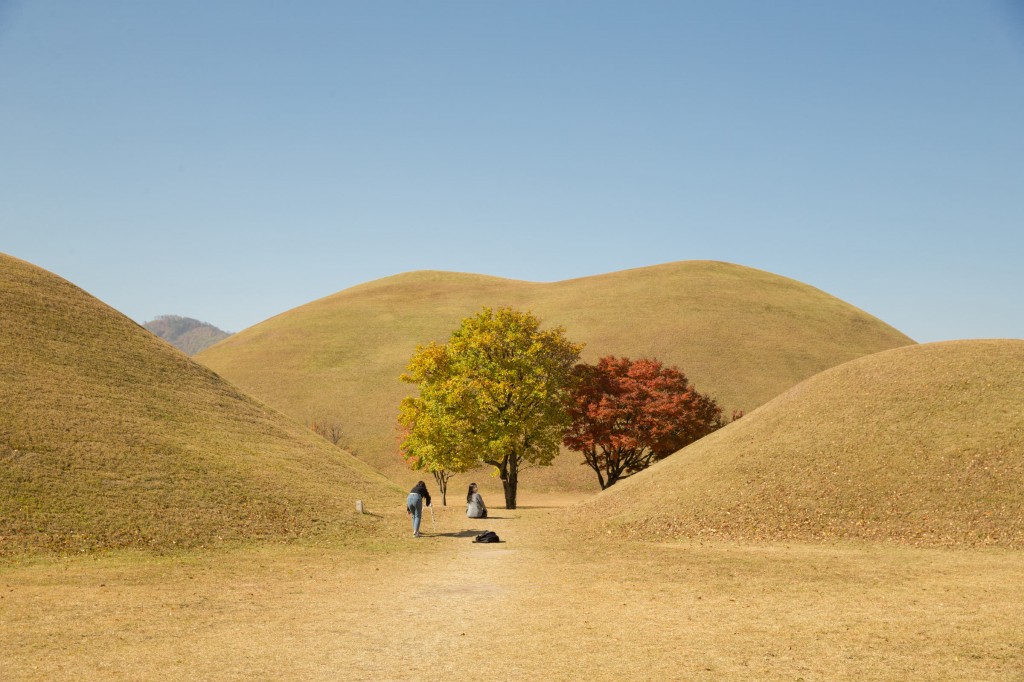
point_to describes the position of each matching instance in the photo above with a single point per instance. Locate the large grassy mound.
(111, 438)
(920, 445)
(742, 335)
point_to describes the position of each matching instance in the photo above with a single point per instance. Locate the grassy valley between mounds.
(110, 438)
(547, 604)
(921, 445)
(740, 334)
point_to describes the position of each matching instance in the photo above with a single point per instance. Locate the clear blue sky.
(231, 160)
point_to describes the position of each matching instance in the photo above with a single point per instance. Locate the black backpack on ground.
(487, 536)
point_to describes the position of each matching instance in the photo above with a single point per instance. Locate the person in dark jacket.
(414, 505)
(475, 507)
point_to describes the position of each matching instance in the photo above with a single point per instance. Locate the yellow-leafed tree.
(495, 393)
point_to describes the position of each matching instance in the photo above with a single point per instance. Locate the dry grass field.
(156, 523)
(544, 605)
(111, 438)
(920, 445)
(741, 334)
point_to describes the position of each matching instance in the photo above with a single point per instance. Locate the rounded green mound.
(919, 445)
(111, 438)
(740, 334)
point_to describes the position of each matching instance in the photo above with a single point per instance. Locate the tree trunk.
(618, 463)
(591, 460)
(442, 483)
(614, 472)
(510, 484)
(510, 481)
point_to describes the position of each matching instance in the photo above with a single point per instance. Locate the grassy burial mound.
(740, 334)
(919, 445)
(111, 438)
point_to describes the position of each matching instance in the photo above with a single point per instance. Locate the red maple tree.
(627, 414)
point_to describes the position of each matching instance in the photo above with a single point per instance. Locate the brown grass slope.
(111, 438)
(741, 334)
(919, 445)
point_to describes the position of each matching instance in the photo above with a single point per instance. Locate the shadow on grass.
(459, 534)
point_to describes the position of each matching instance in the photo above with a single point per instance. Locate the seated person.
(475, 508)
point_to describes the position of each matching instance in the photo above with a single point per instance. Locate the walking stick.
(433, 525)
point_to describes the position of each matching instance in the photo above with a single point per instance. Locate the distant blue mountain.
(186, 333)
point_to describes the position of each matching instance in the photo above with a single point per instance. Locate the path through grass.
(542, 605)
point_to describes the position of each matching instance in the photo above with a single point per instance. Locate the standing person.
(475, 507)
(414, 505)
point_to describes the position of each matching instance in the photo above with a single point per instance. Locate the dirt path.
(448, 602)
(510, 611)
(541, 605)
